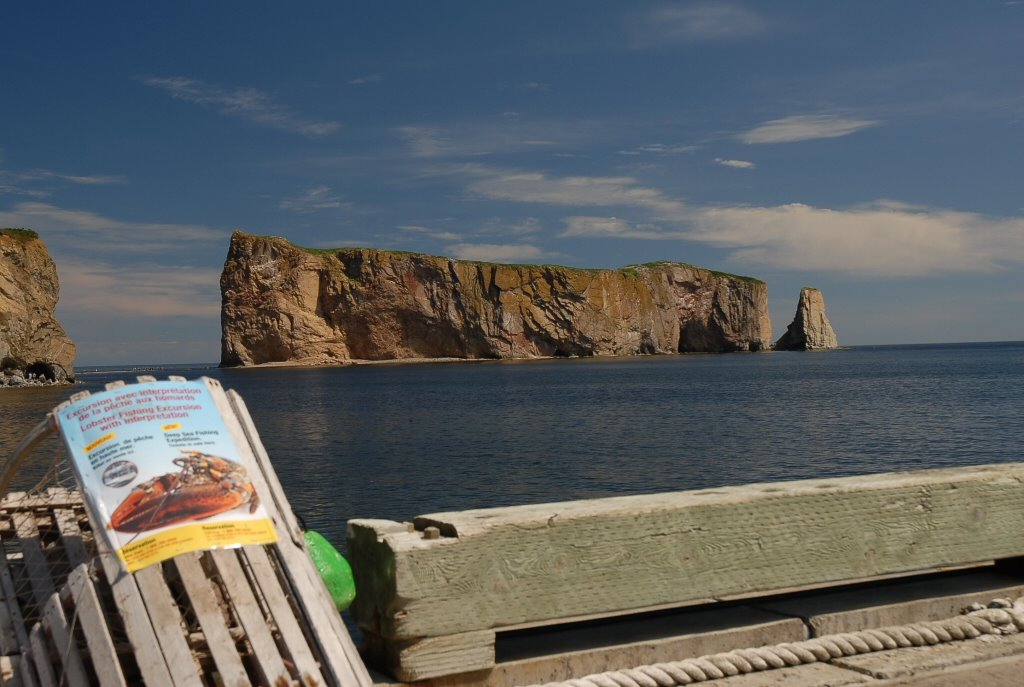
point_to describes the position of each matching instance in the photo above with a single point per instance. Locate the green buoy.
(333, 568)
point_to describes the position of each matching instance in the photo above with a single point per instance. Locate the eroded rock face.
(33, 345)
(282, 303)
(810, 329)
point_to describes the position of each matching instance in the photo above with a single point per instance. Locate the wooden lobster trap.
(70, 614)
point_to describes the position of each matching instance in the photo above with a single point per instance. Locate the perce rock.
(286, 304)
(810, 329)
(33, 345)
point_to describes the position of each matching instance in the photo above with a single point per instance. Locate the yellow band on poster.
(99, 442)
(171, 427)
(196, 537)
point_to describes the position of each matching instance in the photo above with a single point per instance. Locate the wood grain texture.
(422, 659)
(510, 566)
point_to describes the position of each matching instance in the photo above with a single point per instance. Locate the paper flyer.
(162, 472)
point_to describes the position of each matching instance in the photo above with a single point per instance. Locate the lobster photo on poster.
(160, 469)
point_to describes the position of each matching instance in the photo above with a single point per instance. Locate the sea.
(396, 441)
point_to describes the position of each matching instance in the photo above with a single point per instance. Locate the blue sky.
(871, 149)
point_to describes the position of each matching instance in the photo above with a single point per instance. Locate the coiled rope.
(1000, 617)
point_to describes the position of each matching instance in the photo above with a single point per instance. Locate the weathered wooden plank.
(148, 654)
(24, 645)
(508, 566)
(166, 620)
(105, 660)
(40, 654)
(284, 615)
(71, 536)
(211, 619)
(422, 659)
(8, 635)
(57, 627)
(268, 658)
(138, 626)
(35, 560)
(338, 652)
(19, 500)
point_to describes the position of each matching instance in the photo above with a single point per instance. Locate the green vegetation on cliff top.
(630, 270)
(19, 234)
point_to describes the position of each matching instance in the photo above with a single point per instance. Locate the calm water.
(399, 441)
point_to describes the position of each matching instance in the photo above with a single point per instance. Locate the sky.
(870, 149)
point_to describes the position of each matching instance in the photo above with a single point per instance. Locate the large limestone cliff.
(282, 303)
(810, 329)
(33, 345)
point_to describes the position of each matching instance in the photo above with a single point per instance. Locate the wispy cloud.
(368, 78)
(26, 183)
(738, 164)
(882, 239)
(692, 23)
(312, 200)
(613, 228)
(493, 252)
(533, 187)
(805, 128)
(431, 233)
(87, 231)
(658, 149)
(250, 104)
(506, 133)
(148, 290)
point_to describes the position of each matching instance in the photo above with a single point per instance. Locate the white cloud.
(658, 149)
(251, 104)
(150, 290)
(431, 233)
(82, 230)
(26, 183)
(738, 164)
(508, 132)
(696, 22)
(532, 187)
(493, 252)
(613, 227)
(312, 200)
(805, 128)
(882, 239)
(369, 78)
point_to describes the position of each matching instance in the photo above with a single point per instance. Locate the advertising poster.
(162, 472)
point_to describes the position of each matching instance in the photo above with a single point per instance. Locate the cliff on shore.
(33, 345)
(810, 329)
(286, 304)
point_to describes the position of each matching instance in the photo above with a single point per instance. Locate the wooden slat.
(245, 606)
(422, 659)
(137, 624)
(138, 627)
(506, 567)
(167, 621)
(284, 615)
(19, 500)
(35, 560)
(24, 645)
(71, 536)
(339, 654)
(105, 661)
(40, 654)
(8, 635)
(60, 633)
(211, 619)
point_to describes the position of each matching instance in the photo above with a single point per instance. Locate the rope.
(1000, 617)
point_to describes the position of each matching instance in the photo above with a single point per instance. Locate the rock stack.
(810, 329)
(33, 346)
(286, 304)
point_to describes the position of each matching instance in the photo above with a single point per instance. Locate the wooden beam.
(508, 567)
